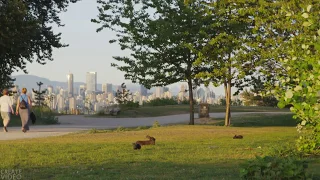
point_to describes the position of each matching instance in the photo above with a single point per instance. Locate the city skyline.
(87, 51)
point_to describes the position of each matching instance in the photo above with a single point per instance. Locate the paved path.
(73, 123)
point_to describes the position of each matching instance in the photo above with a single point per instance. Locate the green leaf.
(289, 94)
(303, 123)
(306, 24)
(288, 14)
(281, 104)
(305, 15)
(297, 88)
(309, 8)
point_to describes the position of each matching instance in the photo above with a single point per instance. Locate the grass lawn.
(153, 111)
(181, 152)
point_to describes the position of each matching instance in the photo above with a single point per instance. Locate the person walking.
(24, 106)
(6, 109)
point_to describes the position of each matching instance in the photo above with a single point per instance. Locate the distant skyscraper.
(143, 91)
(91, 82)
(70, 84)
(109, 88)
(159, 92)
(82, 90)
(50, 90)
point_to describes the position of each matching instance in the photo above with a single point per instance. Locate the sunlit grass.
(181, 152)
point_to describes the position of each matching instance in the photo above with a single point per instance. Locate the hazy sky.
(87, 51)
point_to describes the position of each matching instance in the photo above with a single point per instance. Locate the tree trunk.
(191, 102)
(229, 101)
(226, 117)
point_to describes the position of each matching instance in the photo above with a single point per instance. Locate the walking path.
(73, 123)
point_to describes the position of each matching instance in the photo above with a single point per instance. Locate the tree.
(227, 50)
(159, 35)
(39, 94)
(293, 33)
(26, 34)
(122, 95)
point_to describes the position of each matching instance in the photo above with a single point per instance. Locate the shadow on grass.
(146, 169)
(260, 120)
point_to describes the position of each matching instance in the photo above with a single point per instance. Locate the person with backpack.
(24, 105)
(6, 109)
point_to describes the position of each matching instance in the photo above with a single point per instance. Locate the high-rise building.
(159, 92)
(91, 82)
(72, 105)
(107, 88)
(82, 90)
(70, 84)
(143, 90)
(50, 90)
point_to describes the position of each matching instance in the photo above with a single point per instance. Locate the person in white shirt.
(6, 109)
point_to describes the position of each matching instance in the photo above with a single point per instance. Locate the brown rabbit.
(151, 141)
(237, 137)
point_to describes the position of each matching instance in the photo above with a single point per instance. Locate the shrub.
(93, 131)
(45, 115)
(161, 102)
(270, 168)
(100, 113)
(130, 104)
(121, 129)
(156, 124)
(142, 127)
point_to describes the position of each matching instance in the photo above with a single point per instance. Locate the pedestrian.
(6, 109)
(24, 106)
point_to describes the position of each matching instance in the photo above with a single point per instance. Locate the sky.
(88, 50)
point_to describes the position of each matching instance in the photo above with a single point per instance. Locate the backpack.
(23, 104)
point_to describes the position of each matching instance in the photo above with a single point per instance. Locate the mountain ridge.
(30, 81)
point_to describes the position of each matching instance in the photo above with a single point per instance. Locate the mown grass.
(181, 152)
(154, 111)
(257, 120)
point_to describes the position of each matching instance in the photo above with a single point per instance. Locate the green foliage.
(142, 128)
(39, 94)
(130, 105)
(227, 48)
(299, 72)
(250, 99)
(270, 168)
(120, 129)
(100, 113)
(222, 102)
(161, 102)
(26, 34)
(285, 150)
(45, 115)
(160, 36)
(122, 96)
(156, 124)
(93, 131)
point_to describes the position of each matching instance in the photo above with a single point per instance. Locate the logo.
(10, 174)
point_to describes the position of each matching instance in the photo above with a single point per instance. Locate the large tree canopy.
(26, 33)
(159, 35)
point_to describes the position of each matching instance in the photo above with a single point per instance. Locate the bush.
(45, 115)
(161, 102)
(100, 113)
(270, 168)
(156, 124)
(120, 129)
(130, 104)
